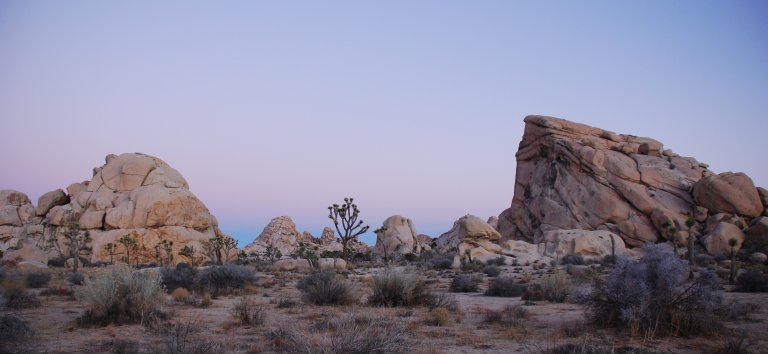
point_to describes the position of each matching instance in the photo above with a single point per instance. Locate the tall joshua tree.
(110, 247)
(732, 242)
(77, 242)
(346, 215)
(168, 248)
(129, 243)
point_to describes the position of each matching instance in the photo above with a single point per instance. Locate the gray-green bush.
(504, 287)
(395, 288)
(325, 288)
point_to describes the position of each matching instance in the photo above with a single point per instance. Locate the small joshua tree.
(347, 215)
(308, 252)
(168, 248)
(212, 248)
(158, 255)
(732, 242)
(272, 254)
(190, 253)
(110, 247)
(384, 247)
(229, 244)
(129, 244)
(76, 242)
(672, 236)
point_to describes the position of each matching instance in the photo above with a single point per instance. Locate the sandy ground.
(547, 326)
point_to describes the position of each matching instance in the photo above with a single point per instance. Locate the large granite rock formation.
(131, 194)
(572, 176)
(400, 237)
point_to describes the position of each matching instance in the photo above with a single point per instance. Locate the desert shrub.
(752, 281)
(248, 312)
(14, 332)
(410, 257)
(394, 288)
(574, 259)
(181, 276)
(472, 266)
(556, 287)
(56, 262)
(125, 346)
(510, 316)
(222, 280)
(58, 291)
(533, 292)
(16, 295)
(185, 338)
(441, 262)
(735, 310)
(119, 295)
(652, 295)
(181, 295)
(38, 280)
(592, 347)
(465, 283)
(439, 316)
(76, 278)
(348, 334)
(504, 287)
(491, 270)
(325, 288)
(737, 345)
(442, 300)
(499, 261)
(286, 303)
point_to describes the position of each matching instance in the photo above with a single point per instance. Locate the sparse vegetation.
(184, 338)
(15, 332)
(439, 316)
(222, 280)
(464, 283)
(504, 287)
(346, 215)
(572, 259)
(752, 281)
(325, 288)
(37, 280)
(248, 312)
(119, 295)
(181, 276)
(509, 316)
(76, 278)
(491, 270)
(394, 288)
(556, 287)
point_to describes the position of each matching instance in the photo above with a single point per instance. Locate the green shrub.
(76, 278)
(504, 287)
(222, 280)
(464, 283)
(38, 280)
(325, 288)
(393, 288)
(182, 276)
(574, 259)
(119, 295)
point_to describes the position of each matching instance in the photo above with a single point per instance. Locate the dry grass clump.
(509, 316)
(185, 338)
(348, 334)
(325, 288)
(465, 283)
(248, 312)
(15, 333)
(504, 287)
(182, 295)
(394, 288)
(439, 317)
(119, 295)
(16, 296)
(223, 280)
(443, 300)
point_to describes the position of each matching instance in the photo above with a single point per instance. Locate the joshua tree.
(212, 249)
(130, 244)
(229, 244)
(308, 252)
(189, 252)
(110, 247)
(76, 242)
(158, 257)
(168, 248)
(384, 247)
(671, 236)
(613, 249)
(732, 242)
(347, 215)
(689, 224)
(272, 254)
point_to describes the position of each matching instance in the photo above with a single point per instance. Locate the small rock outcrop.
(400, 237)
(572, 176)
(281, 233)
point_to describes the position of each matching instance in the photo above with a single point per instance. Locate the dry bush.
(439, 317)
(119, 295)
(509, 316)
(491, 270)
(394, 288)
(443, 300)
(504, 287)
(248, 312)
(15, 333)
(348, 334)
(286, 303)
(76, 278)
(185, 338)
(37, 280)
(181, 276)
(125, 346)
(557, 287)
(223, 280)
(181, 295)
(325, 288)
(465, 283)
(16, 295)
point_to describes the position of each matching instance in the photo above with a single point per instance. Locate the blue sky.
(413, 107)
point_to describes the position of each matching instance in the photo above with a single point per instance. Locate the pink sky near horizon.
(416, 109)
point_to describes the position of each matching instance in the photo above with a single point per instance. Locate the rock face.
(132, 194)
(572, 176)
(471, 238)
(400, 237)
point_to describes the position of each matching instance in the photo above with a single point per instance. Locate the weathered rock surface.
(572, 176)
(132, 194)
(716, 242)
(588, 244)
(282, 234)
(400, 237)
(732, 193)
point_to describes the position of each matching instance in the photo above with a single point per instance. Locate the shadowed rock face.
(573, 176)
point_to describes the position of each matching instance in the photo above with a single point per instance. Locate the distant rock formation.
(281, 233)
(131, 194)
(400, 237)
(572, 176)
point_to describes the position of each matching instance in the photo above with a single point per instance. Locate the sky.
(415, 108)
